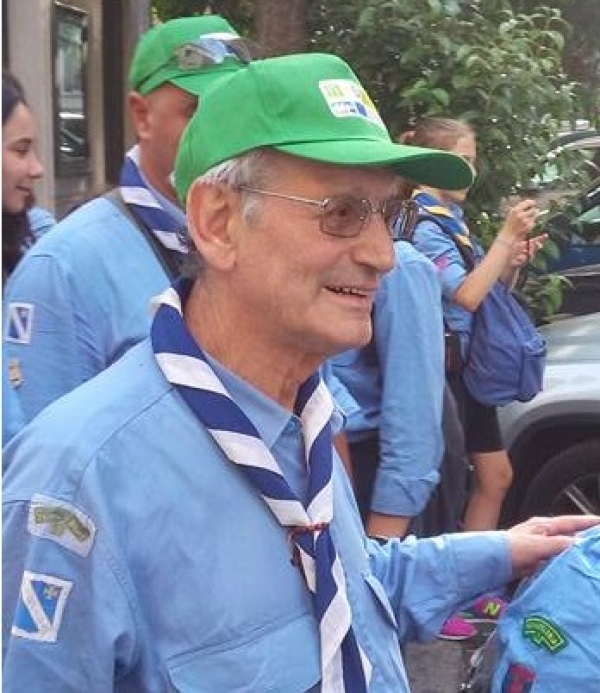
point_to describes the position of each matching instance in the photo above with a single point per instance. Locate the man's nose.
(376, 247)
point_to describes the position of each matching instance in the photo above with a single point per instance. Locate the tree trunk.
(281, 26)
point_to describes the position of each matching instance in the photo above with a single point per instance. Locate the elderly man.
(180, 522)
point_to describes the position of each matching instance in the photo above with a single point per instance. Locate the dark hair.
(12, 94)
(16, 231)
(434, 132)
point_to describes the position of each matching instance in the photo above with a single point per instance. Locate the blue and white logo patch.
(346, 99)
(62, 523)
(41, 605)
(20, 323)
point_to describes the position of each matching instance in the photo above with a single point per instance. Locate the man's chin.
(358, 342)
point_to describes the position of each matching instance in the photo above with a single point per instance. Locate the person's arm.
(427, 580)
(341, 445)
(497, 263)
(68, 622)
(41, 335)
(408, 330)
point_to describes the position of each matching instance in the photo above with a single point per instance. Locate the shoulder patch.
(544, 633)
(518, 679)
(40, 608)
(62, 523)
(19, 322)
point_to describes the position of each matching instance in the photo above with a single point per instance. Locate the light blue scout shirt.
(78, 300)
(549, 636)
(12, 415)
(147, 562)
(442, 251)
(398, 382)
(40, 220)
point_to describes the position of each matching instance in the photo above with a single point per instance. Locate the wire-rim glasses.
(345, 216)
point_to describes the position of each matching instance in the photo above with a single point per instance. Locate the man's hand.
(541, 538)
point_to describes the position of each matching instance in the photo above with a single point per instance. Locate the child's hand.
(525, 251)
(520, 220)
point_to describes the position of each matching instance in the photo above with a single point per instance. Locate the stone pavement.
(442, 665)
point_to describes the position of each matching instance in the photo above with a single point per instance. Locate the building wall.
(30, 54)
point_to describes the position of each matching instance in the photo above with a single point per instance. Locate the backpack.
(506, 356)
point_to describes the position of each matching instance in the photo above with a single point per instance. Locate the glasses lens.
(344, 216)
(204, 52)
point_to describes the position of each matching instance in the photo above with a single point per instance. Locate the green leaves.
(479, 61)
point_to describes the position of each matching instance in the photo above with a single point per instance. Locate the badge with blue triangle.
(40, 608)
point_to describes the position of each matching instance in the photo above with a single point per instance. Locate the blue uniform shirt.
(398, 382)
(442, 251)
(146, 562)
(78, 300)
(549, 635)
(40, 220)
(12, 415)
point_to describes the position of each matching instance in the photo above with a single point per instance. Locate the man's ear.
(211, 214)
(138, 108)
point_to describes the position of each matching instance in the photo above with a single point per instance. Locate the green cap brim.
(427, 166)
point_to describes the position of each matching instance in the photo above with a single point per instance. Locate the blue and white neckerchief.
(143, 201)
(431, 205)
(344, 667)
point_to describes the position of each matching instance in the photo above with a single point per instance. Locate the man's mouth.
(351, 291)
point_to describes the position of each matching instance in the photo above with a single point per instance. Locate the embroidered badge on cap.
(518, 679)
(61, 522)
(41, 605)
(543, 633)
(19, 323)
(345, 98)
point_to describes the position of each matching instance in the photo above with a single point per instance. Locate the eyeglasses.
(206, 51)
(346, 216)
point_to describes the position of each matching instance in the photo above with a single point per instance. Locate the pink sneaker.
(456, 628)
(488, 607)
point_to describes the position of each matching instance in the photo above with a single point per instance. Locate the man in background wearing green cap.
(182, 522)
(80, 300)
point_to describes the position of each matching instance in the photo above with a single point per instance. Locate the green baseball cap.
(188, 52)
(309, 105)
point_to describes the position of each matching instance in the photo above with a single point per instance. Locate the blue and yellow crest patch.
(40, 608)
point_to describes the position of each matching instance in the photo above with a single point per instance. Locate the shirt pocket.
(278, 659)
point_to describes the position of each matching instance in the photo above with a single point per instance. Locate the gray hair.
(253, 169)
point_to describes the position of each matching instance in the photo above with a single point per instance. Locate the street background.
(442, 665)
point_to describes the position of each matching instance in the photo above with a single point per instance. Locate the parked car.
(575, 227)
(573, 156)
(554, 440)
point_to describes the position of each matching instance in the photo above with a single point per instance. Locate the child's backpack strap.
(449, 225)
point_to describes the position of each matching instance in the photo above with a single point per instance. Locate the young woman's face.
(20, 164)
